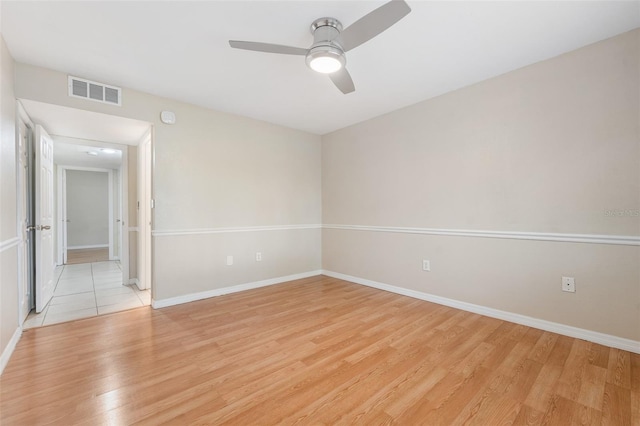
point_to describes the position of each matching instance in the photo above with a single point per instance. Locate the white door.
(44, 218)
(24, 221)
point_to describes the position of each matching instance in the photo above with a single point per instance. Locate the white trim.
(84, 169)
(8, 351)
(145, 212)
(133, 229)
(136, 282)
(22, 115)
(92, 246)
(163, 303)
(61, 241)
(630, 240)
(554, 327)
(123, 253)
(62, 201)
(110, 207)
(203, 231)
(10, 243)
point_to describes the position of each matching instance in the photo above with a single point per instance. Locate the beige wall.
(547, 148)
(8, 202)
(284, 253)
(214, 170)
(87, 208)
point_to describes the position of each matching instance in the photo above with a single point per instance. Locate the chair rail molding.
(629, 240)
(203, 231)
(7, 244)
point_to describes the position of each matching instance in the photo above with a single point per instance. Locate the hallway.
(87, 290)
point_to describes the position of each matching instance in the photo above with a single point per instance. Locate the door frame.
(62, 207)
(124, 200)
(145, 211)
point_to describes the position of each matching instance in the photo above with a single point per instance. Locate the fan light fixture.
(326, 59)
(325, 64)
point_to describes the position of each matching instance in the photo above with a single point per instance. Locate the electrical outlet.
(569, 284)
(258, 257)
(229, 260)
(426, 265)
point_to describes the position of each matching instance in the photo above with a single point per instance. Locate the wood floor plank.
(619, 371)
(313, 351)
(573, 373)
(543, 390)
(599, 355)
(543, 347)
(528, 416)
(76, 256)
(616, 404)
(635, 408)
(591, 392)
(635, 372)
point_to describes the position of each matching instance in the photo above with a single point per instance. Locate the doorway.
(88, 205)
(100, 279)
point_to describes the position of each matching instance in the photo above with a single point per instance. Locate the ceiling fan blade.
(372, 24)
(343, 81)
(267, 47)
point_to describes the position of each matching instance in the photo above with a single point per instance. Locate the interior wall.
(550, 148)
(215, 174)
(87, 209)
(9, 242)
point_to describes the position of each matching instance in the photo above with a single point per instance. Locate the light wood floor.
(313, 351)
(87, 255)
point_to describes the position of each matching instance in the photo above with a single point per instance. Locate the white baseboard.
(163, 303)
(88, 247)
(8, 351)
(554, 327)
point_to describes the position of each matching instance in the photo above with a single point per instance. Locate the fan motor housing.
(325, 22)
(326, 31)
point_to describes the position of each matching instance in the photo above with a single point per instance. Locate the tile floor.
(86, 290)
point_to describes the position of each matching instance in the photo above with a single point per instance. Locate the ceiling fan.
(330, 42)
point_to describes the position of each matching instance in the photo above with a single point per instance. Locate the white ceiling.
(68, 154)
(76, 123)
(180, 49)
